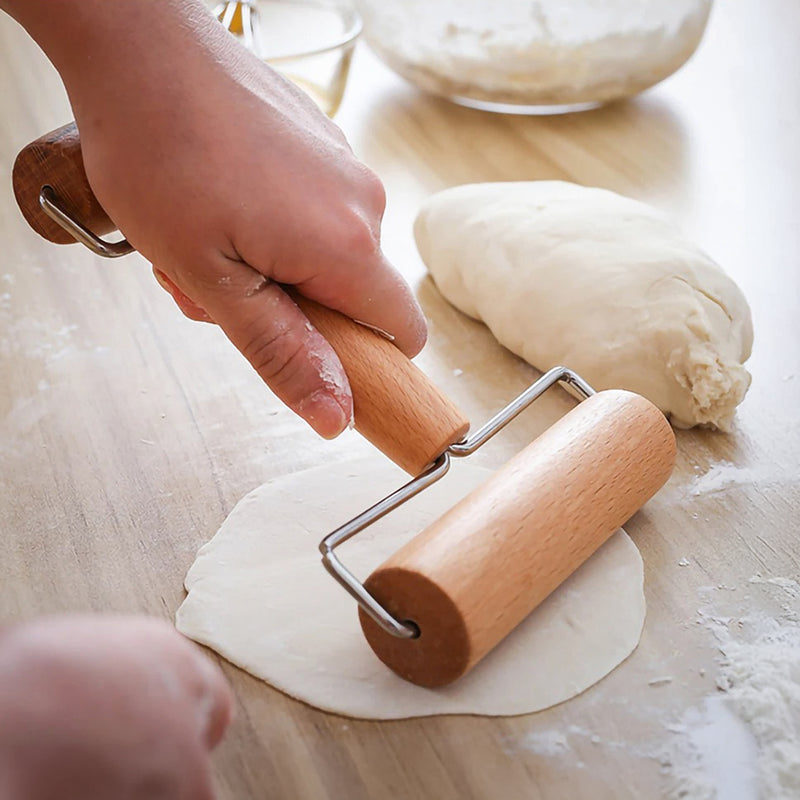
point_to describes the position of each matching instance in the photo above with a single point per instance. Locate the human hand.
(232, 183)
(107, 707)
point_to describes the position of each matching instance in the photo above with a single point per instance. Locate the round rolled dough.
(565, 274)
(260, 597)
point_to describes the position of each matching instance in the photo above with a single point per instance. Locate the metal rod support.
(405, 629)
(48, 200)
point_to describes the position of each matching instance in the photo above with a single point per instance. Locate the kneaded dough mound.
(564, 274)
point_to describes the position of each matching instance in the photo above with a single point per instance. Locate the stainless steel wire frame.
(48, 201)
(437, 470)
(405, 629)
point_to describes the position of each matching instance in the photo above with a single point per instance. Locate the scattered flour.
(719, 755)
(33, 338)
(744, 743)
(762, 682)
(662, 680)
(724, 475)
(789, 585)
(741, 742)
(546, 742)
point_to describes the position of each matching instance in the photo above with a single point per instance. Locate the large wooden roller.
(441, 603)
(478, 571)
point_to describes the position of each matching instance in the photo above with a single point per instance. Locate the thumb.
(284, 348)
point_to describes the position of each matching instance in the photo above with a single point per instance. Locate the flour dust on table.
(259, 596)
(755, 710)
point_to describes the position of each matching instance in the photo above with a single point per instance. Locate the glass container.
(534, 56)
(311, 42)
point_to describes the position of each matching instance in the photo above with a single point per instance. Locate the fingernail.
(323, 412)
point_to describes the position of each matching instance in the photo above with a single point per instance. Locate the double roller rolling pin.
(443, 601)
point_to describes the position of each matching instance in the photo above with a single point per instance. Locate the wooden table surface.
(127, 433)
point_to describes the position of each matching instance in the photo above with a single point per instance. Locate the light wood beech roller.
(441, 603)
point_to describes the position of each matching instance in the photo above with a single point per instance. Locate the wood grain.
(475, 573)
(127, 433)
(55, 159)
(395, 405)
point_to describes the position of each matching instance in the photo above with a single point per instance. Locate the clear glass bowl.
(311, 42)
(534, 56)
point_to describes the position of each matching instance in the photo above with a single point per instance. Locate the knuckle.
(374, 191)
(275, 355)
(358, 237)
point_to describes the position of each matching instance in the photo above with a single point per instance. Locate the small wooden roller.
(440, 604)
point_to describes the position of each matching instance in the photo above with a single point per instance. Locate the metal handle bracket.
(403, 629)
(48, 200)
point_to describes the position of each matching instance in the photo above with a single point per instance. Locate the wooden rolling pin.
(473, 575)
(56, 160)
(478, 571)
(395, 405)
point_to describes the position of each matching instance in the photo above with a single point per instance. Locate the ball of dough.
(606, 285)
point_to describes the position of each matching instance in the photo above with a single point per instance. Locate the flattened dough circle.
(260, 597)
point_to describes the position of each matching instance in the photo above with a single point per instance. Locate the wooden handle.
(56, 160)
(478, 571)
(396, 407)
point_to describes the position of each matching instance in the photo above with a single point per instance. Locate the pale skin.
(234, 186)
(96, 707)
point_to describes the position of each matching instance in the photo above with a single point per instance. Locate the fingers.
(115, 648)
(289, 354)
(212, 697)
(194, 676)
(184, 303)
(103, 704)
(355, 277)
(372, 292)
(332, 254)
(292, 358)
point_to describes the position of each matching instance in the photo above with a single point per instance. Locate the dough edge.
(195, 620)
